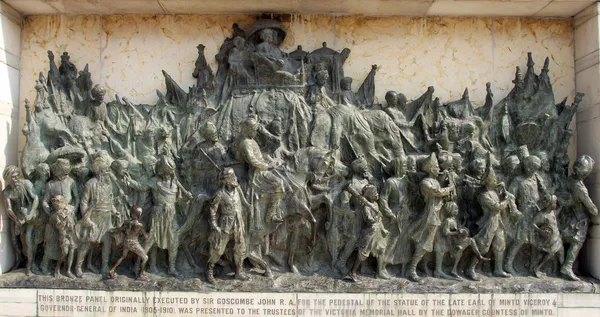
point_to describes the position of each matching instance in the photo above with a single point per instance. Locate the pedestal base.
(288, 282)
(7, 256)
(48, 302)
(593, 251)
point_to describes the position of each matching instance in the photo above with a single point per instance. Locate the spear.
(210, 160)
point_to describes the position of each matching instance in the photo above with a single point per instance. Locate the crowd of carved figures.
(274, 161)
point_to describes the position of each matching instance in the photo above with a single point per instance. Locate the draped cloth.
(163, 225)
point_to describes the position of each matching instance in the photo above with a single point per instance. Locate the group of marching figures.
(414, 212)
(246, 170)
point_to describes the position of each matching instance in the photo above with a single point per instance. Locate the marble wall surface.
(126, 53)
(10, 46)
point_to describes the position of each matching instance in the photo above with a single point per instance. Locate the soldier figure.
(491, 234)
(227, 225)
(527, 190)
(425, 229)
(21, 205)
(208, 153)
(577, 218)
(349, 205)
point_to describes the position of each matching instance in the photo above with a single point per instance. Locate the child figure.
(457, 238)
(373, 238)
(133, 229)
(546, 237)
(63, 221)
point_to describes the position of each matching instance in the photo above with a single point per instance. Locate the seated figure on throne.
(269, 47)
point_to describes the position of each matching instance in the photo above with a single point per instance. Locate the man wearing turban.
(97, 209)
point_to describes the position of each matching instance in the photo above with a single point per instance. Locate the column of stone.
(10, 50)
(587, 80)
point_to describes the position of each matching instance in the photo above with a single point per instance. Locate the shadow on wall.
(10, 38)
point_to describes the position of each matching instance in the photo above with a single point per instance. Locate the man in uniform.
(208, 153)
(349, 222)
(576, 219)
(527, 190)
(227, 224)
(491, 232)
(425, 229)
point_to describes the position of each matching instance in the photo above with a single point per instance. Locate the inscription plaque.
(132, 304)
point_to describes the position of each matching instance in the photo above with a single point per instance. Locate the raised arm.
(141, 187)
(487, 201)
(184, 191)
(431, 189)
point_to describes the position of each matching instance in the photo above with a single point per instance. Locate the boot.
(412, 266)
(45, 264)
(567, 267)
(173, 267)
(498, 259)
(268, 273)
(470, 271)
(90, 266)
(382, 271)
(341, 266)
(210, 278)
(412, 274)
(508, 266)
(104, 269)
(239, 274)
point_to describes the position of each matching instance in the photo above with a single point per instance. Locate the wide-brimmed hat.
(262, 24)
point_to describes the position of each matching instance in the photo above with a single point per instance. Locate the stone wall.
(127, 52)
(10, 46)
